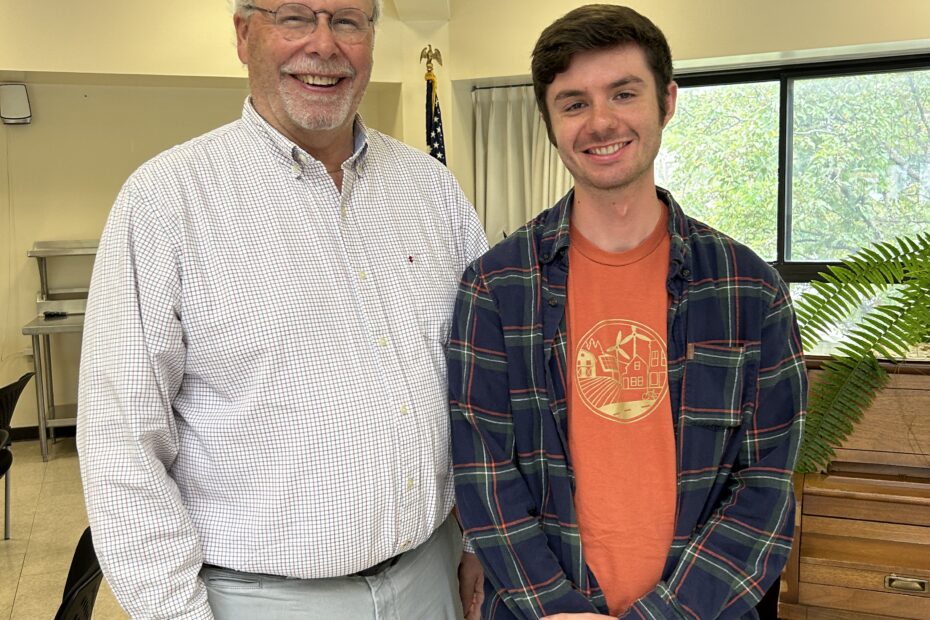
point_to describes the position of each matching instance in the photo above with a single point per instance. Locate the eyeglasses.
(295, 21)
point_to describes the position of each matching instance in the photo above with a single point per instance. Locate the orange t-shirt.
(620, 431)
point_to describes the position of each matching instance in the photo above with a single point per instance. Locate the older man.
(263, 425)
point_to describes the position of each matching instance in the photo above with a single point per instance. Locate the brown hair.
(597, 27)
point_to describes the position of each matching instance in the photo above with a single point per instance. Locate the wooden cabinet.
(862, 545)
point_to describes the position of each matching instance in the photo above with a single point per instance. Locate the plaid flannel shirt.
(738, 391)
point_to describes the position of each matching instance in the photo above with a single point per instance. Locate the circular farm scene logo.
(621, 370)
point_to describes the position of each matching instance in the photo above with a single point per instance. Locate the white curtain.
(518, 173)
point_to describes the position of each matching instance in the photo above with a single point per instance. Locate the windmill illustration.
(635, 336)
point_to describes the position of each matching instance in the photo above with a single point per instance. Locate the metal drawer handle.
(906, 584)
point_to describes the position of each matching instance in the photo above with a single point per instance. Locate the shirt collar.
(290, 153)
(554, 241)
(680, 236)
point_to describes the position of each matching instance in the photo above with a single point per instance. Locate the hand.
(577, 617)
(471, 586)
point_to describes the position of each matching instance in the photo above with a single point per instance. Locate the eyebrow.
(624, 81)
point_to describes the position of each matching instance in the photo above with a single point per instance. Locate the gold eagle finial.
(429, 55)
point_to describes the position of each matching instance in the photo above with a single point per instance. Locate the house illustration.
(636, 360)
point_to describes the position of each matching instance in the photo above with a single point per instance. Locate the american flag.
(434, 138)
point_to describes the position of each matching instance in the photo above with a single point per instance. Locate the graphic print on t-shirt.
(621, 370)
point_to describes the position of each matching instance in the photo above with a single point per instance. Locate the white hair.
(239, 8)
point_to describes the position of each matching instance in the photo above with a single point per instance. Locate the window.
(805, 164)
(860, 162)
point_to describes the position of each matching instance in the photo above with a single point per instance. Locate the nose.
(321, 41)
(602, 118)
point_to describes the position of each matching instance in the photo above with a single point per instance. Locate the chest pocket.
(718, 397)
(433, 285)
(716, 378)
(718, 406)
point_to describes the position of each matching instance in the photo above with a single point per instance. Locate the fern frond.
(848, 383)
(843, 391)
(860, 277)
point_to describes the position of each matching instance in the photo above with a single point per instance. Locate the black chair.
(8, 397)
(84, 577)
(6, 460)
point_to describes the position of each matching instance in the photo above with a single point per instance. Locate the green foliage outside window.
(861, 166)
(720, 160)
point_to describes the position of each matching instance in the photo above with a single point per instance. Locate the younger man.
(627, 383)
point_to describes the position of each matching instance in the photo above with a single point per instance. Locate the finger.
(465, 592)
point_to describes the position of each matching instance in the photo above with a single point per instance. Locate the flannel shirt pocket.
(714, 417)
(714, 381)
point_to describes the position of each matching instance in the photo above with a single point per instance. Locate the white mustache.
(315, 66)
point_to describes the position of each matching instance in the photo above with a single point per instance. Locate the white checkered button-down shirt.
(262, 376)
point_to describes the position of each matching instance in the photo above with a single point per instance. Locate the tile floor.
(48, 518)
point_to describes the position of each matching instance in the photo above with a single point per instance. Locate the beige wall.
(113, 82)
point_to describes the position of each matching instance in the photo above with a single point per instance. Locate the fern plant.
(852, 377)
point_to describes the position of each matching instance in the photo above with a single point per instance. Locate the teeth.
(606, 150)
(317, 80)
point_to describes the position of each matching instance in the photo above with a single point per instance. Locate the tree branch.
(920, 105)
(898, 159)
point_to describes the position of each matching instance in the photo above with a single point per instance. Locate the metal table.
(68, 304)
(49, 415)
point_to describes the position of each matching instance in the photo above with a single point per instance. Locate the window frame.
(785, 75)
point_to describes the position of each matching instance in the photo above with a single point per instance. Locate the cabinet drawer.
(873, 581)
(864, 601)
(862, 554)
(875, 499)
(865, 509)
(793, 611)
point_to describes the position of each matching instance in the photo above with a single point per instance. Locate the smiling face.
(606, 121)
(310, 89)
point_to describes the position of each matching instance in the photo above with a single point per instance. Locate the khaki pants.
(423, 585)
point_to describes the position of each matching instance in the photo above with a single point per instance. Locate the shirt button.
(382, 341)
(409, 484)
(362, 276)
(686, 273)
(553, 302)
(404, 410)
(404, 545)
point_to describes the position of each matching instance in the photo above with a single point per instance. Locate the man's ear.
(242, 37)
(671, 98)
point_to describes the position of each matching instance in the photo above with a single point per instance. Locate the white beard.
(317, 112)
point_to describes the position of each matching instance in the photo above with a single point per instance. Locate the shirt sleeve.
(495, 506)
(741, 550)
(132, 364)
(473, 242)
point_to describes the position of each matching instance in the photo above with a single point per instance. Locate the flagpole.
(435, 141)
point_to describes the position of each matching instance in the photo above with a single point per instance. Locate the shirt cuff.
(467, 546)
